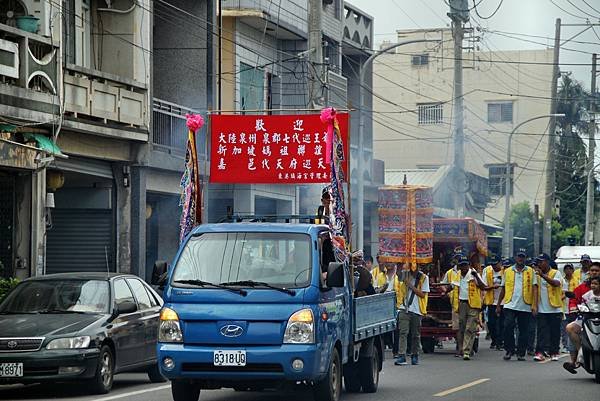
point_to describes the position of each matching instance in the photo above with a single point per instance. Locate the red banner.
(271, 149)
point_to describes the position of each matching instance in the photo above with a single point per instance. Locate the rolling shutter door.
(80, 240)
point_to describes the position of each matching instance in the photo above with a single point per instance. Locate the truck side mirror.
(159, 272)
(335, 275)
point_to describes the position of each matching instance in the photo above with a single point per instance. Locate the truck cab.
(257, 305)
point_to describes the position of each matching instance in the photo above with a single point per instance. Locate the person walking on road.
(549, 317)
(412, 289)
(569, 285)
(492, 278)
(469, 286)
(517, 294)
(583, 274)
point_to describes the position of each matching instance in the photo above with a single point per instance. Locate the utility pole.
(536, 229)
(589, 205)
(315, 49)
(459, 14)
(550, 162)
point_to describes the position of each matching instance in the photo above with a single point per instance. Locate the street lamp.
(506, 233)
(589, 210)
(361, 141)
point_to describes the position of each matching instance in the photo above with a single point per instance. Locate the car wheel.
(369, 372)
(184, 391)
(103, 379)
(154, 374)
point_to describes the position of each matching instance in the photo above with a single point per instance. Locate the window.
(497, 182)
(420, 59)
(140, 294)
(431, 113)
(500, 112)
(122, 293)
(252, 92)
(153, 301)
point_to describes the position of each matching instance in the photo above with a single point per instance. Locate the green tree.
(571, 157)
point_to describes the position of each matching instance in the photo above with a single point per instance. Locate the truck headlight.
(300, 328)
(169, 330)
(69, 343)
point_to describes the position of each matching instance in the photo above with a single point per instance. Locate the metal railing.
(169, 130)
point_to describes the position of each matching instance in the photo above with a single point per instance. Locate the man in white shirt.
(549, 317)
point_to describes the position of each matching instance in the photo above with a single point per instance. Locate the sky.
(529, 17)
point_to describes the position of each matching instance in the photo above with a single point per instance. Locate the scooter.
(589, 354)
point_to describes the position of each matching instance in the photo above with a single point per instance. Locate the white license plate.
(11, 369)
(229, 358)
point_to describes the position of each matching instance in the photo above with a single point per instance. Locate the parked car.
(79, 326)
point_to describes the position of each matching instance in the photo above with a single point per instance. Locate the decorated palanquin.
(461, 232)
(406, 224)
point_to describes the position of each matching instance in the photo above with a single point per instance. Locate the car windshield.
(58, 296)
(280, 259)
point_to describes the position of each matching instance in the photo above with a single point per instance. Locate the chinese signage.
(272, 149)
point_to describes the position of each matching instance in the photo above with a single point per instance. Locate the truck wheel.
(351, 379)
(369, 372)
(184, 391)
(330, 387)
(428, 345)
(596, 362)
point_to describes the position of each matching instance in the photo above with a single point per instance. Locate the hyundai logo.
(231, 330)
(12, 344)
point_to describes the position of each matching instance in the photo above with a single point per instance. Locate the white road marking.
(132, 393)
(459, 388)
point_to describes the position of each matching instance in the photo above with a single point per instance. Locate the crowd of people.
(527, 306)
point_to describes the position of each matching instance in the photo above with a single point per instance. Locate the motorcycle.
(589, 354)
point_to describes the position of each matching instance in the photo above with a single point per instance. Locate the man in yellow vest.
(549, 282)
(492, 278)
(569, 285)
(412, 289)
(583, 273)
(469, 286)
(519, 290)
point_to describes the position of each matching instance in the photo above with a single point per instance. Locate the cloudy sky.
(515, 18)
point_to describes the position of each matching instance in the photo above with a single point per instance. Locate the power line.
(588, 4)
(491, 15)
(583, 11)
(567, 12)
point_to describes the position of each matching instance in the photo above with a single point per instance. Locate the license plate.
(11, 369)
(229, 358)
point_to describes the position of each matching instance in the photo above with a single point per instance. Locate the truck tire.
(596, 362)
(369, 372)
(351, 379)
(428, 345)
(184, 391)
(330, 387)
(154, 374)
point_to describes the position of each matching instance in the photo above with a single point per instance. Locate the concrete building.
(502, 88)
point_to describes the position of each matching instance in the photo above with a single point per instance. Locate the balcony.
(358, 30)
(29, 77)
(99, 96)
(169, 129)
(291, 15)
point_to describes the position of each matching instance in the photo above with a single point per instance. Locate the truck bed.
(374, 315)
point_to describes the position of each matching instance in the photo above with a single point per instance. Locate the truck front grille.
(249, 368)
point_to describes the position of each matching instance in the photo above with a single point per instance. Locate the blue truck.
(262, 305)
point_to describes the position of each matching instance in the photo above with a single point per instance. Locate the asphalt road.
(439, 377)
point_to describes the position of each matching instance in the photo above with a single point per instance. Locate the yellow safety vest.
(474, 295)
(401, 292)
(577, 275)
(454, 276)
(509, 284)
(379, 278)
(554, 293)
(488, 272)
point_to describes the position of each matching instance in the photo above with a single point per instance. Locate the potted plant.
(28, 23)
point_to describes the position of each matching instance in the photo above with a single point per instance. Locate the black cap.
(586, 257)
(463, 260)
(522, 252)
(543, 256)
(494, 259)
(507, 262)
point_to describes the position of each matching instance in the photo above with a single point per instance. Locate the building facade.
(413, 127)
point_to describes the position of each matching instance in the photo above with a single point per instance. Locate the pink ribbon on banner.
(194, 122)
(328, 117)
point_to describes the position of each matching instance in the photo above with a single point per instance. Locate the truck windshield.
(280, 259)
